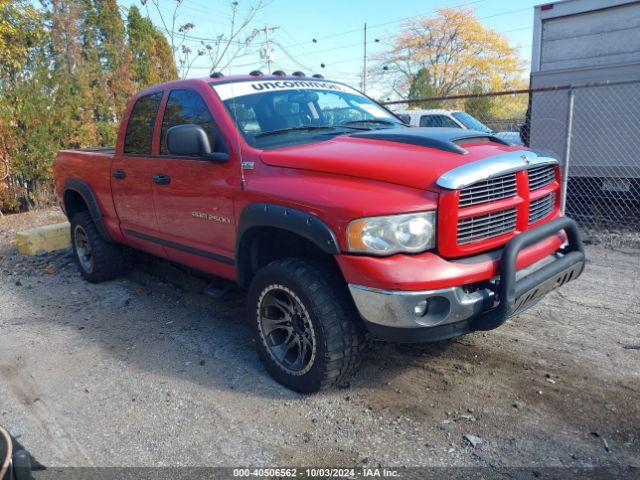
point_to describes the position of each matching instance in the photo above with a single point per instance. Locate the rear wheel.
(305, 325)
(97, 259)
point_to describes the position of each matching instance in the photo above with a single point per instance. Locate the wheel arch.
(267, 232)
(77, 197)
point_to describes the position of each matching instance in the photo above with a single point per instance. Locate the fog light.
(420, 310)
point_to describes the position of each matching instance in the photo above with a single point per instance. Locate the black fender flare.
(83, 189)
(296, 221)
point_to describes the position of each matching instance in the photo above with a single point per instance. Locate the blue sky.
(337, 25)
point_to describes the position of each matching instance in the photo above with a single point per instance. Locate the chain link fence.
(593, 129)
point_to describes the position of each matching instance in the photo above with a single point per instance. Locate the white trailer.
(583, 43)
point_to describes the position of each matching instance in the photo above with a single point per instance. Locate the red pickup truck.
(337, 217)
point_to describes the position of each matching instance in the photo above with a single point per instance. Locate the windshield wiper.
(302, 128)
(370, 120)
(294, 129)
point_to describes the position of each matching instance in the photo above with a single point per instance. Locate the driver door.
(193, 197)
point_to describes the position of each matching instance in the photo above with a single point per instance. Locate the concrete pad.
(44, 239)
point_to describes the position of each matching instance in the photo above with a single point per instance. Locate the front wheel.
(305, 325)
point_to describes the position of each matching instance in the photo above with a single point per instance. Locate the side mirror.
(192, 140)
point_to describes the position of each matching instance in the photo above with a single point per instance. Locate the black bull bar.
(516, 295)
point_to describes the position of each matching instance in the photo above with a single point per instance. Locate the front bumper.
(416, 316)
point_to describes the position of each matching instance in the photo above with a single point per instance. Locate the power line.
(291, 57)
(300, 44)
(378, 25)
(266, 53)
(308, 52)
(187, 6)
(406, 18)
(204, 40)
(518, 29)
(370, 27)
(359, 44)
(304, 50)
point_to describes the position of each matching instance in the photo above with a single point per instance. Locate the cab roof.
(231, 78)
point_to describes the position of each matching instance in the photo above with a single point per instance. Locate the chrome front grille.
(482, 212)
(541, 176)
(482, 227)
(488, 190)
(540, 208)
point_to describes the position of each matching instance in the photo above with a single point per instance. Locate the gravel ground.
(146, 371)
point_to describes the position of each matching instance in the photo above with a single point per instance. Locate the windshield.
(470, 122)
(275, 113)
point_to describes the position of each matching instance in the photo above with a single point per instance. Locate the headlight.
(410, 233)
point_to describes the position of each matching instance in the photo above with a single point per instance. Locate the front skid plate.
(532, 296)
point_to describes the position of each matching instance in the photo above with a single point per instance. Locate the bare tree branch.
(222, 49)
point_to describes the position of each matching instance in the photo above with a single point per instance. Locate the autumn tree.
(106, 62)
(67, 70)
(24, 71)
(71, 74)
(116, 59)
(20, 31)
(457, 51)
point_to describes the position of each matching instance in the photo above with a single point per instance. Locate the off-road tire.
(338, 330)
(107, 258)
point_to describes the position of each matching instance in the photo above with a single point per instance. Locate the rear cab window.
(139, 134)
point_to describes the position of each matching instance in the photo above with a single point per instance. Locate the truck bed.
(92, 167)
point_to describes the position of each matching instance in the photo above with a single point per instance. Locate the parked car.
(453, 119)
(338, 218)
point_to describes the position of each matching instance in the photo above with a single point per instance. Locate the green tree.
(422, 87)
(479, 107)
(153, 60)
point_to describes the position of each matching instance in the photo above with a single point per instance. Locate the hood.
(412, 157)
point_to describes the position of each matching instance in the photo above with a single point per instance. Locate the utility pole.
(267, 53)
(364, 62)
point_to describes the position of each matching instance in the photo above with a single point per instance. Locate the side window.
(139, 134)
(187, 106)
(437, 121)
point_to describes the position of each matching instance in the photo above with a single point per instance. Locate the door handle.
(162, 179)
(119, 174)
